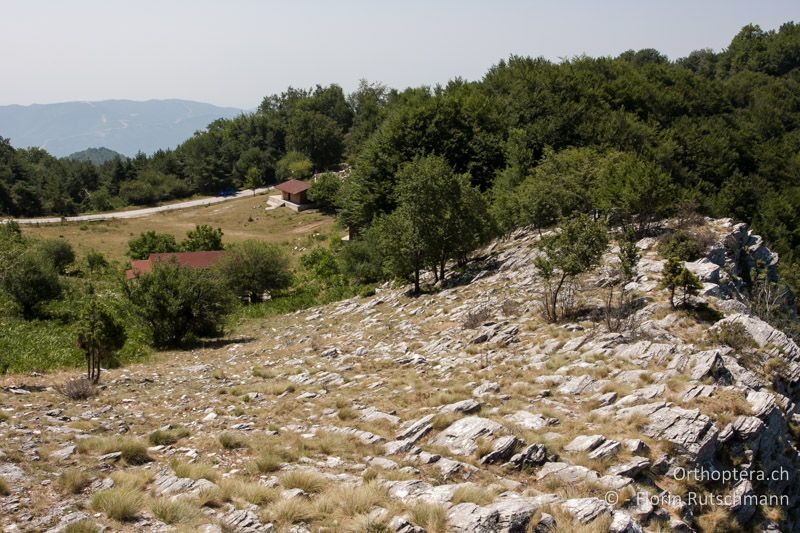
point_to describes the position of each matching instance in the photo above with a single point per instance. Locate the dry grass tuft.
(119, 503)
(132, 479)
(717, 519)
(306, 480)
(292, 511)
(348, 501)
(166, 437)
(254, 493)
(5, 490)
(232, 441)
(82, 526)
(474, 494)
(133, 451)
(174, 511)
(431, 516)
(267, 461)
(346, 413)
(263, 372)
(195, 470)
(73, 480)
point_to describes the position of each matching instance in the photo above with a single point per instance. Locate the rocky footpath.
(459, 410)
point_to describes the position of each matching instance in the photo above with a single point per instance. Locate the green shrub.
(202, 238)
(324, 191)
(57, 252)
(96, 261)
(178, 303)
(683, 245)
(733, 334)
(151, 242)
(30, 280)
(252, 268)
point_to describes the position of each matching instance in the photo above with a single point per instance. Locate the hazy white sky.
(234, 52)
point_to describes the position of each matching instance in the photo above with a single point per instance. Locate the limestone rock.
(586, 509)
(461, 435)
(471, 518)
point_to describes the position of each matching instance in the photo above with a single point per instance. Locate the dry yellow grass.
(73, 480)
(239, 219)
(121, 503)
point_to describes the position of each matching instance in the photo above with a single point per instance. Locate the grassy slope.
(42, 345)
(239, 219)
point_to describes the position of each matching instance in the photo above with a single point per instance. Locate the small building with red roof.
(294, 191)
(183, 259)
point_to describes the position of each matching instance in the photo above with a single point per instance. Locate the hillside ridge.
(124, 126)
(459, 410)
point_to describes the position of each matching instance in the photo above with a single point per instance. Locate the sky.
(235, 52)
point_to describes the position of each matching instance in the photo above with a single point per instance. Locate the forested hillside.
(713, 132)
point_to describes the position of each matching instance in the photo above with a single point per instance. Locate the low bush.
(733, 334)
(77, 389)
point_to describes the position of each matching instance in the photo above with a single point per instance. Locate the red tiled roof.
(293, 186)
(184, 259)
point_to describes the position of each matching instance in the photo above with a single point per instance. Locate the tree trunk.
(416, 280)
(555, 296)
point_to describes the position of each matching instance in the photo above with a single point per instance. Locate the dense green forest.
(716, 132)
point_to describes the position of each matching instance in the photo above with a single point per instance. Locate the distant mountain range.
(124, 126)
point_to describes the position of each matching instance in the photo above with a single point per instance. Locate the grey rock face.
(461, 435)
(584, 443)
(416, 430)
(586, 509)
(502, 449)
(471, 518)
(527, 420)
(468, 406)
(535, 454)
(245, 521)
(168, 485)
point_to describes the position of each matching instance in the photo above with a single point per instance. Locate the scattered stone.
(527, 420)
(629, 468)
(169, 485)
(502, 449)
(486, 388)
(245, 521)
(470, 518)
(586, 509)
(584, 443)
(608, 449)
(416, 430)
(461, 435)
(535, 454)
(468, 406)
